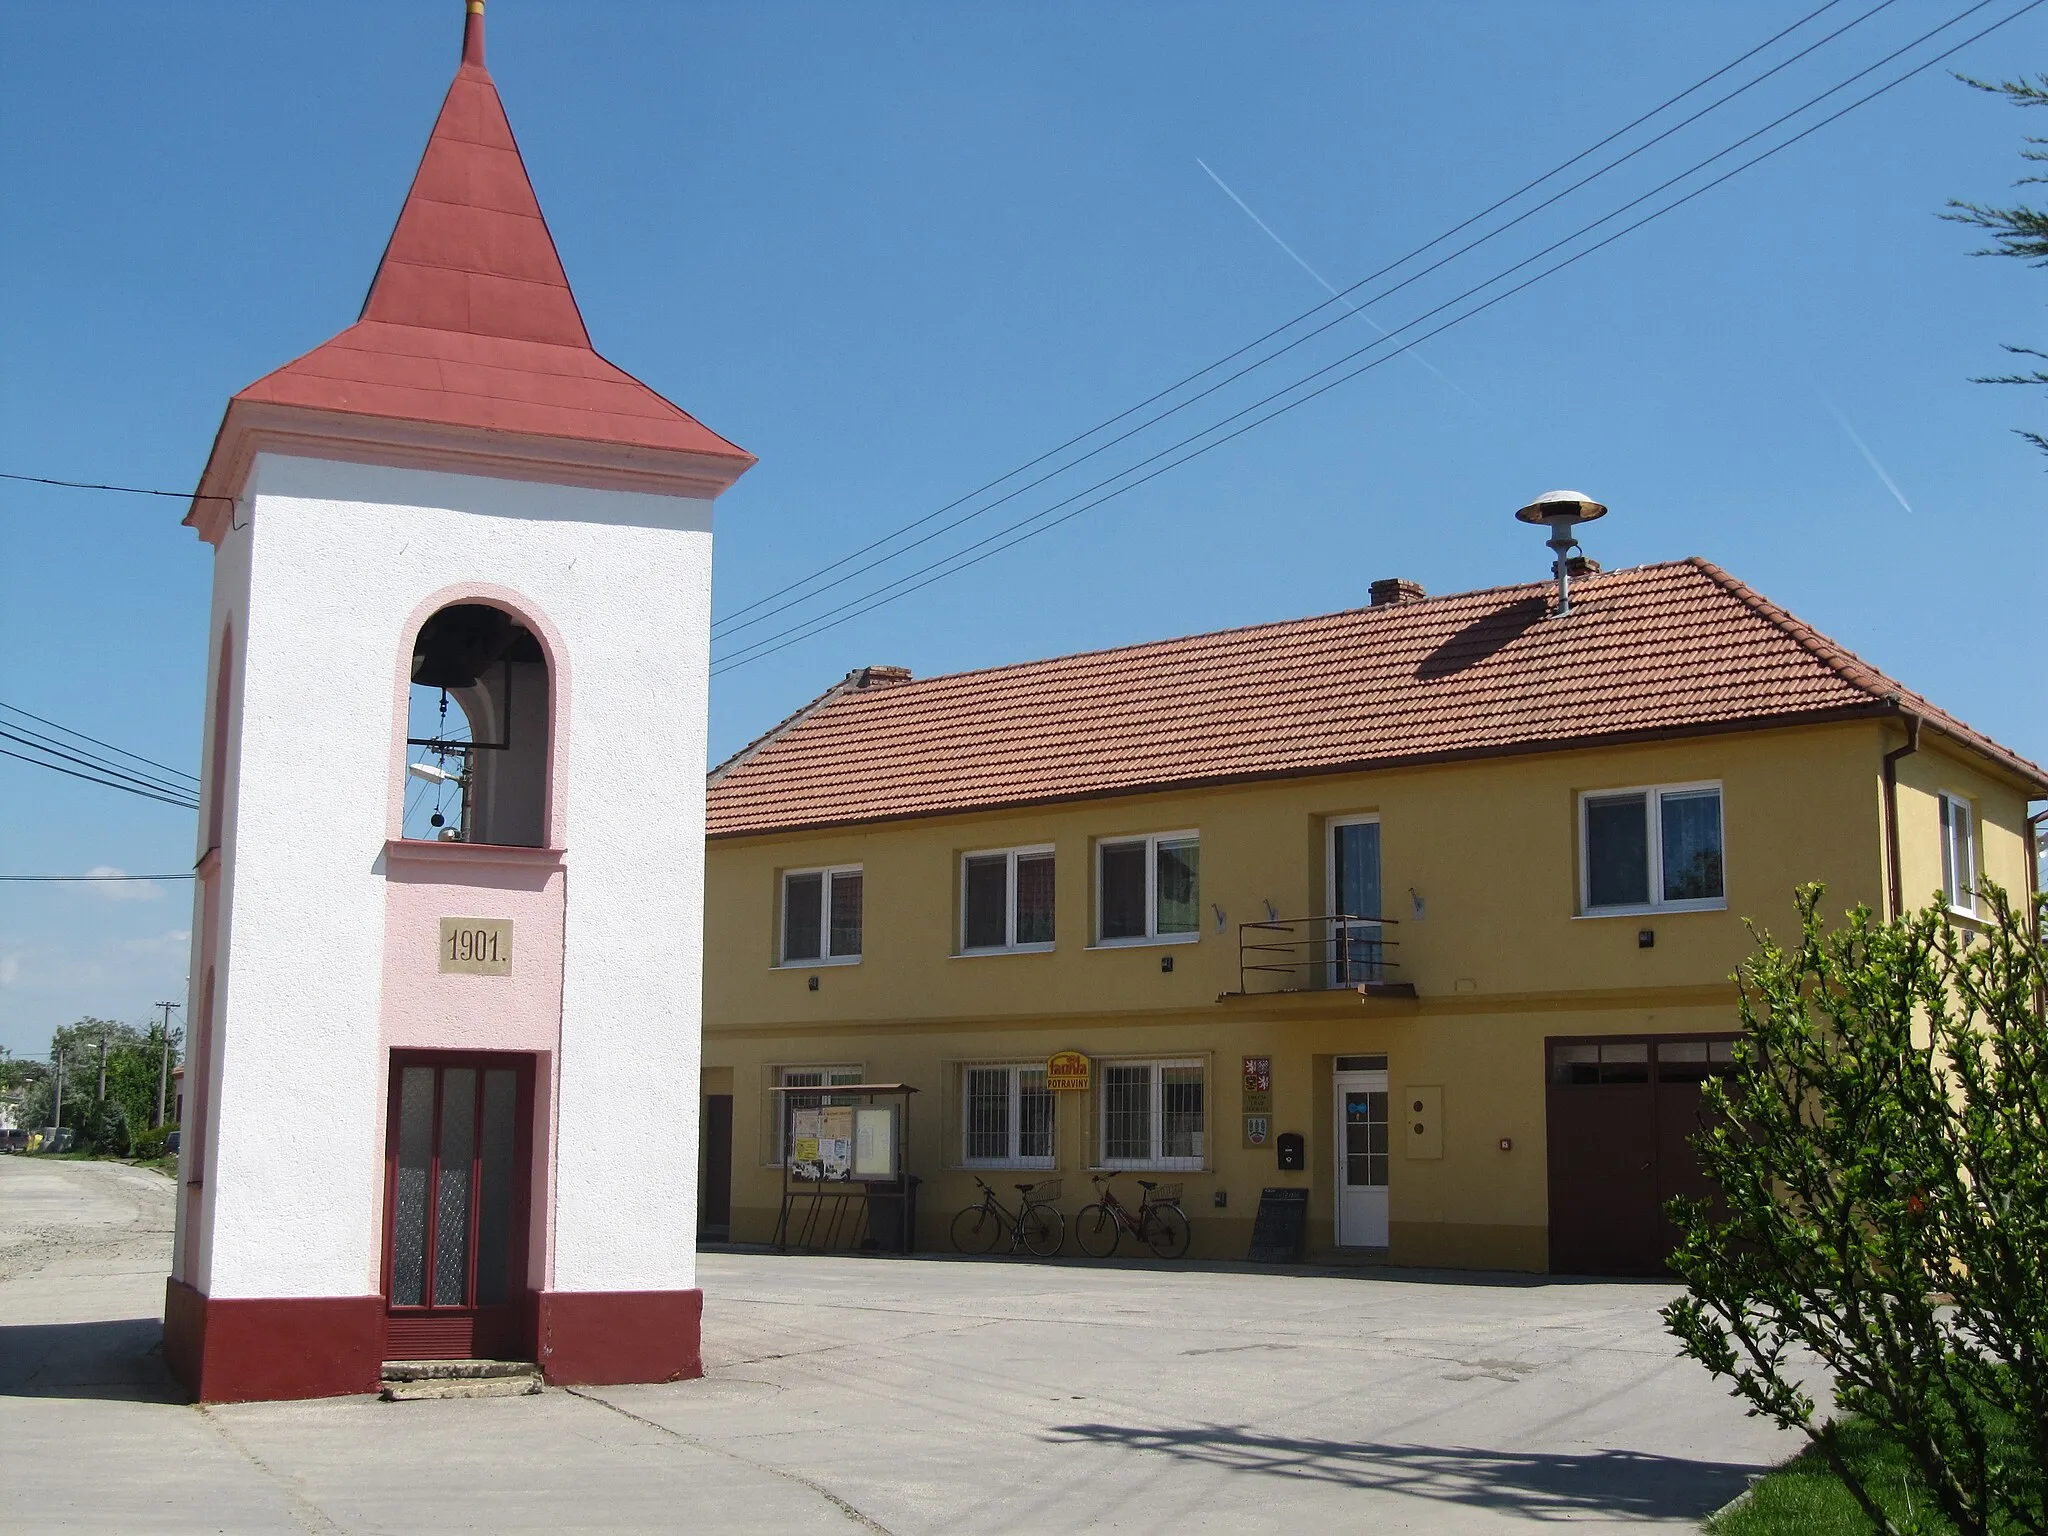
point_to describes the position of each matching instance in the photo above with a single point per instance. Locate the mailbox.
(1293, 1150)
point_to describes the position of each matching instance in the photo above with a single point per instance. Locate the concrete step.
(409, 1381)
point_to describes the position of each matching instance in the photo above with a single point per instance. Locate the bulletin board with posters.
(845, 1183)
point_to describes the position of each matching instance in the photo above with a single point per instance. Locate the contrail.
(1295, 256)
(1868, 457)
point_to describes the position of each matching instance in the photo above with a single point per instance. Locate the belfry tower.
(443, 1072)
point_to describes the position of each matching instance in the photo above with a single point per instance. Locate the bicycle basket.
(1164, 1192)
(1049, 1190)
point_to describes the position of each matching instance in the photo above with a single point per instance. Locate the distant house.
(1449, 888)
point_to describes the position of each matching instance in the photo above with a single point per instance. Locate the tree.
(1882, 1152)
(133, 1060)
(2018, 231)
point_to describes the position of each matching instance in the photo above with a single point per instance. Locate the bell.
(457, 644)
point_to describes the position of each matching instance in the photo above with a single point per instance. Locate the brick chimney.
(1581, 565)
(1396, 589)
(862, 678)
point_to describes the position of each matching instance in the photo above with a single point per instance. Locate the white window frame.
(1009, 946)
(844, 1071)
(826, 872)
(1013, 1158)
(1151, 935)
(1156, 1112)
(1654, 812)
(1960, 893)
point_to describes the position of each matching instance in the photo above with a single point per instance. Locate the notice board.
(1280, 1232)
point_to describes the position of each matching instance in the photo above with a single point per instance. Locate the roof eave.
(250, 427)
(1877, 709)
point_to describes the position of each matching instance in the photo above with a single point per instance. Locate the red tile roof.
(1654, 651)
(470, 321)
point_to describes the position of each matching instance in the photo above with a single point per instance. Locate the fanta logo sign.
(1067, 1072)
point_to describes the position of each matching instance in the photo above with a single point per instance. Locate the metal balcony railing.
(1306, 954)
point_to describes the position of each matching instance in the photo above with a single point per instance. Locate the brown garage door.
(1620, 1112)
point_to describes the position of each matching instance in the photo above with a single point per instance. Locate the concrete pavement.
(906, 1396)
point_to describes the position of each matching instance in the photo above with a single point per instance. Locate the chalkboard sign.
(1281, 1230)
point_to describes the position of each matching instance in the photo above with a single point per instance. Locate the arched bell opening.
(478, 730)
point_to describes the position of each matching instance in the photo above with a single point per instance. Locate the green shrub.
(105, 1129)
(1882, 1155)
(149, 1145)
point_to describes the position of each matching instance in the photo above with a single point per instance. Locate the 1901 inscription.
(476, 946)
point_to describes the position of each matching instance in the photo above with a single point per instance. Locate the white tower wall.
(343, 555)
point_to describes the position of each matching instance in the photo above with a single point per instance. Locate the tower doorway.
(458, 1152)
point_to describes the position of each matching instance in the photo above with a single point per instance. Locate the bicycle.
(1035, 1225)
(1160, 1224)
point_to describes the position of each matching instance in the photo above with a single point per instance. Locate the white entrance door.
(1361, 1142)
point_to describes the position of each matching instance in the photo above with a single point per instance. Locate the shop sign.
(1067, 1072)
(1258, 1085)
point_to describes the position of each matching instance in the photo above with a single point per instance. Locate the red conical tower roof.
(470, 322)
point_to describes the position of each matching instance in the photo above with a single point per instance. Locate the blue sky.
(897, 251)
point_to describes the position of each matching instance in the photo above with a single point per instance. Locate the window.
(1959, 854)
(1006, 1118)
(806, 1077)
(1149, 888)
(1642, 849)
(1590, 1063)
(1152, 1114)
(1613, 1061)
(479, 719)
(1006, 900)
(821, 916)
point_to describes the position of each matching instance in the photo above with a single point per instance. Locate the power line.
(189, 805)
(172, 786)
(112, 774)
(180, 773)
(876, 599)
(75, 879)
(131, 490)
(728, 626)
(862, 604)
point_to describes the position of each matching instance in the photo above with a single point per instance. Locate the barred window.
(1153, 1114)
(807, 1077)
(1006, 1117)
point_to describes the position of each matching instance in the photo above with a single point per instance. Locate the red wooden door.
(457, 1154)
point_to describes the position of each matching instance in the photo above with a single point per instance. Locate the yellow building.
(1444, 891)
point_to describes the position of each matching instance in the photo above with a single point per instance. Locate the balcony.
(1340, 952)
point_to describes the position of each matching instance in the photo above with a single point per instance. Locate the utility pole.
(100, 1097)
(57, 1112)
(163, 1071)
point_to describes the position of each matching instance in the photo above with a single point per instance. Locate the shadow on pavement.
(120, 1360)
(1553, 1486)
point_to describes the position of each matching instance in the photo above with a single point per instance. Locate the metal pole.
(163, 1071)
(100, 1096)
